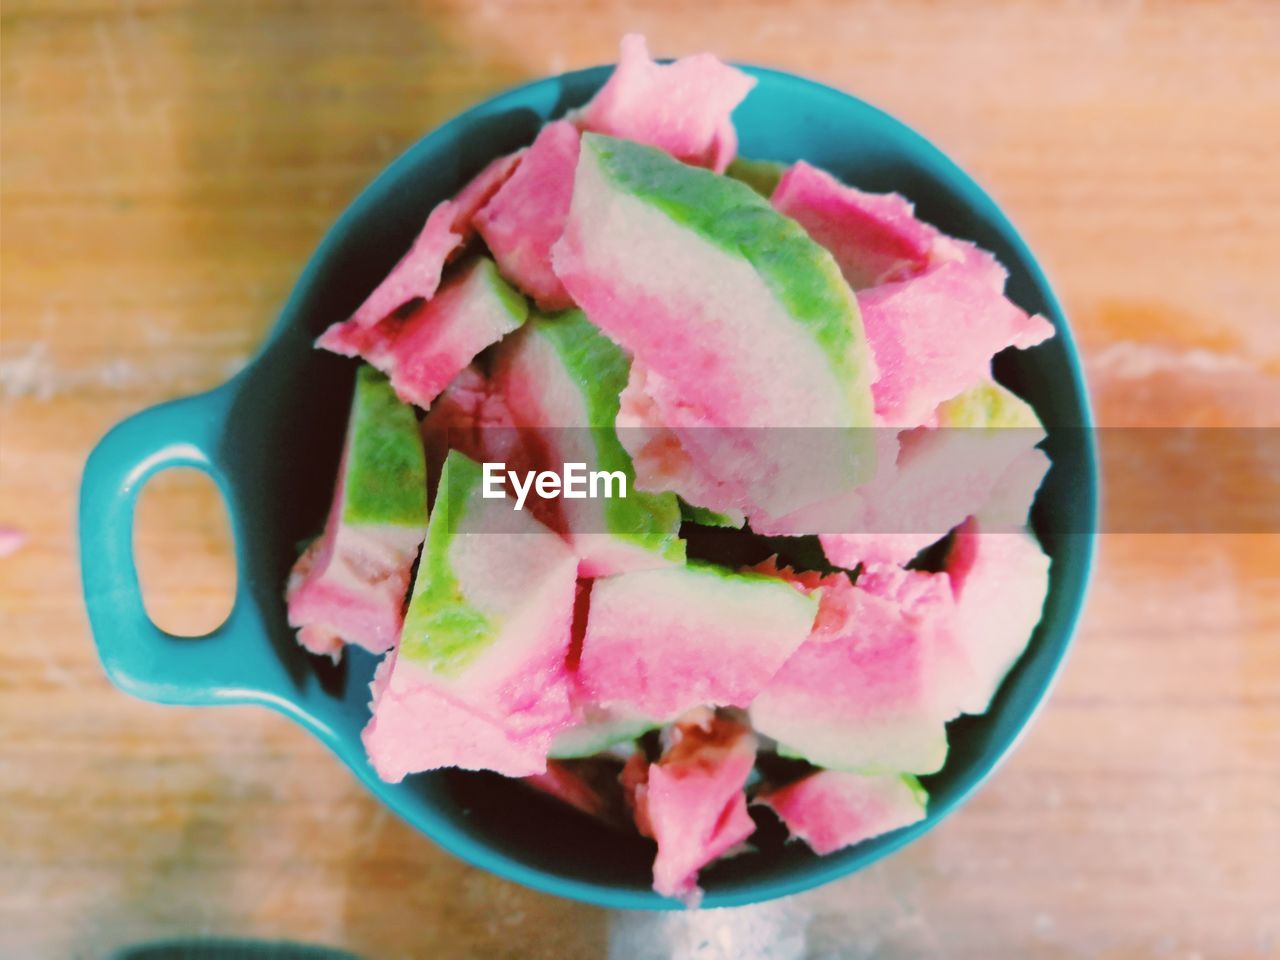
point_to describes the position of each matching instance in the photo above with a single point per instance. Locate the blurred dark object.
(203, 948)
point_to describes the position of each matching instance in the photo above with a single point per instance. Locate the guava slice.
(661, 642)
(691, 801)
(349, 585)
(447, 229)
(865, 691)
(830, 809)
(423, 351)
(747, 322)
(480, 680)
(562, 379)
(979, 457)
(1000, 581)
(683, 107)
(525, 217)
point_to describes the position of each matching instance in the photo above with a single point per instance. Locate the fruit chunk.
(480, 190)
(526, 216)
(933, 306)
(349, 585)
(691, 800)
(1000, 581)
(746, 321)
(454, 420)
(417, 275)
(660, 642)
(562, 379)
(1008, 509)
(661, 462)
(933, 336)
(988, 406)
(830, 809)
(471, 416)
(683, 107)
(980, 457)
(864, 691)
(479, 681)
(425, 350)
(874, 237)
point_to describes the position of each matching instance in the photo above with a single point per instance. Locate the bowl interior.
(289, 409)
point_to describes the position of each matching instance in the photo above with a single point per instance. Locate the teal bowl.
(270, 439)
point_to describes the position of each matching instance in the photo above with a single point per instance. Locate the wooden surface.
(167, 168)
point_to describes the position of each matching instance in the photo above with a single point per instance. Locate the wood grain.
(167, 167)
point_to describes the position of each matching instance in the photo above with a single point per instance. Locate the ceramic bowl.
(270, 438)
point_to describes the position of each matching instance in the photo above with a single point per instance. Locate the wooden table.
(167, 168)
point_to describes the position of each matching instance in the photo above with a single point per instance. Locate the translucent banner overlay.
(872, 481)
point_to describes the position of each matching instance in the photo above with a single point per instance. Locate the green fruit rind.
(599, 734)
(988, 405)
(505, 295)
(802, 277)
(600, 369)
(918, 792)
(692, 513)
(443, 632)
(762, 176)
(386, 472)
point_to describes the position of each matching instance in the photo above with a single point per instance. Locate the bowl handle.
(236, 662)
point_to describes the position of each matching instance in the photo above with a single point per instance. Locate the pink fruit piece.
(562, 377)
(481, 188)
(683, 107)
(864, 691)
(739, 319)
(349, 585)
(1000, 581)
(454, 419)
(448, 227)
(942, 477)
(1008, 509)
(933, 336)
(929, 598)
(661, 642)
(423, 351)
(418, 726)
(417, 275)
(830, 810)
(847, 550)
(661, 461)
(691, 801)
(980, 457)
(933, 306)
(875, 237)
(527, 214)
(479, 680)
(472, 417)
